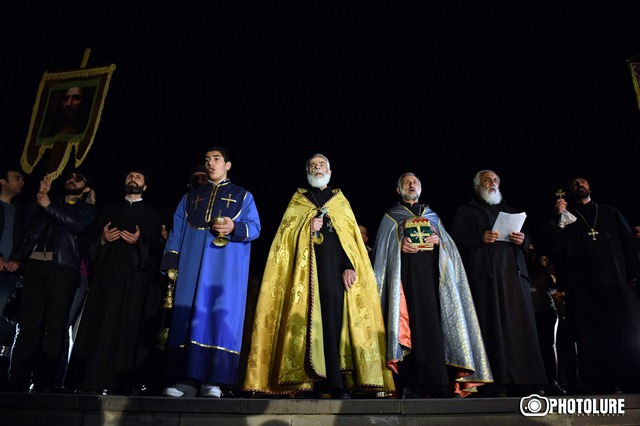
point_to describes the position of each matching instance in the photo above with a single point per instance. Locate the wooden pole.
(85, 58)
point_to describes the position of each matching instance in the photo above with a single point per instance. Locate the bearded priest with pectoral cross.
(597, 266)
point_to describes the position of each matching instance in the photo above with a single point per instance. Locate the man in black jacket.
(11, 235)
(53, 246)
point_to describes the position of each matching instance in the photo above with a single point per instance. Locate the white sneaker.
(180, 390)
(210, 391)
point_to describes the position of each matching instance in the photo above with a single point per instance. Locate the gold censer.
(220, 240)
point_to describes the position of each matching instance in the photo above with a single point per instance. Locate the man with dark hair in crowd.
(52, 250)
(11, 235)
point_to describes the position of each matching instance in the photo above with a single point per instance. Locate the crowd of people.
(125, 299)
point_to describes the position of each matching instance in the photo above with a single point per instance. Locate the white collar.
(126, 197)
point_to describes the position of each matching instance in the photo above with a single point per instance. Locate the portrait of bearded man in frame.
(66, 114)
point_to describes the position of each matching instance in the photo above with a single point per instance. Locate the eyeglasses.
(77, 177)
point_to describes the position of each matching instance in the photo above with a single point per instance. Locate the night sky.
(540, 95)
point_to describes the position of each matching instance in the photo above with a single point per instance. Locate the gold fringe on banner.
(635, 76)
(61, 144)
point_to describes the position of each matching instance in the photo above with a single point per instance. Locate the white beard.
(318, 182)
(490, 198)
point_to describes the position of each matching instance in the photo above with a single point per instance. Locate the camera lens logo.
(534, 406)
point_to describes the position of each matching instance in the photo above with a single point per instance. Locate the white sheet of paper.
(507, 223)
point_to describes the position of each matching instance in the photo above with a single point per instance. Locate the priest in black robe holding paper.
(499, 282)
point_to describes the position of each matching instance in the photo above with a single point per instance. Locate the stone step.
(93, 410)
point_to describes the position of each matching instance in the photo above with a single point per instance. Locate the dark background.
(538, 93)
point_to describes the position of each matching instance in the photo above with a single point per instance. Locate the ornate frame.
(42, 136)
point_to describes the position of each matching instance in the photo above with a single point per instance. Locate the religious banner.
(635, 76)
(66, 115)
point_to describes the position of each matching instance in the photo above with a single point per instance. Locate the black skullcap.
(198, 168)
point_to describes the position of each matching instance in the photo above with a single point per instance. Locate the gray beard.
(318, 182)
(406, 196)
(490, 198)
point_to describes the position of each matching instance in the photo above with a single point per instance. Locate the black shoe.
(308, 395)
(371, 395)
(554, 389)
(340, 395)
(132, 391)
(58, 390)
(87, 392)
(442, 392)
(575, 389)
(411, 393)
(36, 388)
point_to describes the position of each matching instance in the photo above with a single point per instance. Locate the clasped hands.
(109, 235)
(9, 265)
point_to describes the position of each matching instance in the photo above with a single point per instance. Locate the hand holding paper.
(507, 223)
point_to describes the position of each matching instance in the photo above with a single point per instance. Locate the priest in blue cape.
(209, 249)
(434, 342)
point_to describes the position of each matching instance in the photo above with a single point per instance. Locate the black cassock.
(425, 366)
(499, 282)
(595, 262)
(331, 262)
(114, 346)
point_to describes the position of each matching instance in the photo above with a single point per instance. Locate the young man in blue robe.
(209, 249)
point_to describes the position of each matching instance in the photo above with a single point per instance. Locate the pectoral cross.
(330, 227)
(196, 201)
(229, 200)
(593, 234)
